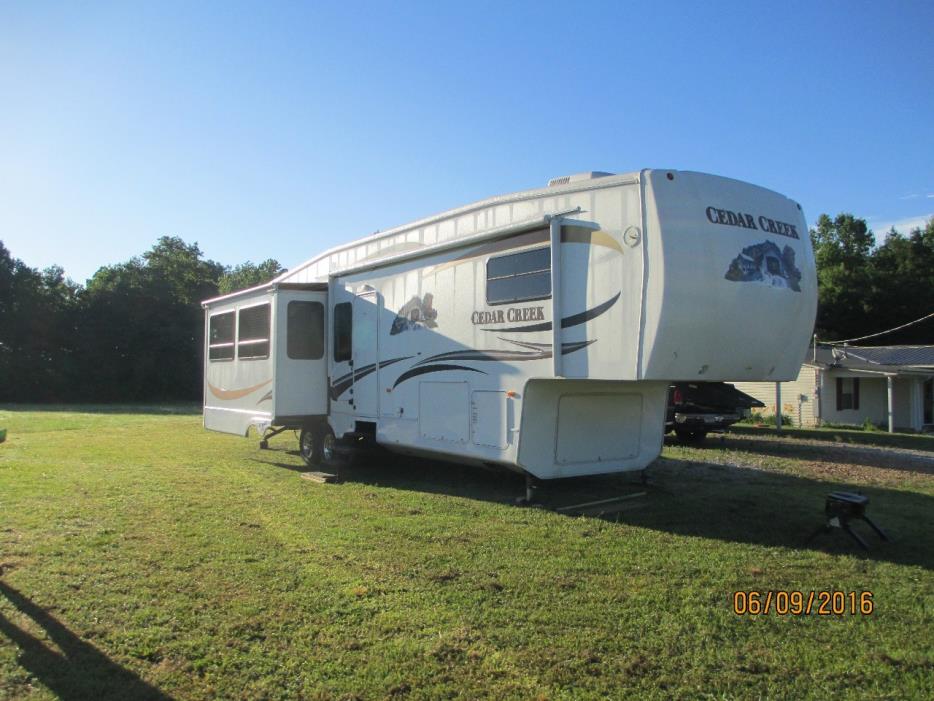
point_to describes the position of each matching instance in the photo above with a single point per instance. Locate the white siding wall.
(909, 410)
(822, 405)
(799, 397)
(872, 400)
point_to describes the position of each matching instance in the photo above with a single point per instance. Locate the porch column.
(890, 386)
(778, 406)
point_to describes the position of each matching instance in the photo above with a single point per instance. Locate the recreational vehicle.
(538, 331)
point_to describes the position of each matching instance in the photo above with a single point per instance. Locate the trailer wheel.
(328, 442)
(690, 436)
(309, 447)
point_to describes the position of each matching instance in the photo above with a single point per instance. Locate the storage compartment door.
(301, 362)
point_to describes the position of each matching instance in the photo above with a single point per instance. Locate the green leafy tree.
(903, 285)
(36, 325)
(842, 251)
(249, 275)
(144, 317)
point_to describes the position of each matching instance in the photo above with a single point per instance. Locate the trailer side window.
(343, 328)
(519, 277)
(253, 332)
(221, 336)
(305, 330)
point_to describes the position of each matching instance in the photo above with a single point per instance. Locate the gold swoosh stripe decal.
(568, 235)
(594, 238)
(235, 393)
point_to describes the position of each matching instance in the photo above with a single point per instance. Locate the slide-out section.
(265, 360)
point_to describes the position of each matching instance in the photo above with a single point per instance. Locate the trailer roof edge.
(521, 195)
(270, 286)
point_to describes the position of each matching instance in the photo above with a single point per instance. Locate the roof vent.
(565, 179)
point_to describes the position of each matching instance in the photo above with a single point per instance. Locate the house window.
(221, 336)
(343, 330)
(847, 393)
(305, 330)
(519, 277)
(253, 332)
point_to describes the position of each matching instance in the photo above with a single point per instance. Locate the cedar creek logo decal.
(502, 316)
(765, 264)
(417, 313)
(748, 221)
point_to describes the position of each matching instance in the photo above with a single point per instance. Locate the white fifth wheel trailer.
(538, 331)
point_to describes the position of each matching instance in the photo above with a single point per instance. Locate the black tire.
(690, 435)
(328, 446)
(263, 444)
(309, 446)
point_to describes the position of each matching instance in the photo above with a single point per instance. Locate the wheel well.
(366, 428)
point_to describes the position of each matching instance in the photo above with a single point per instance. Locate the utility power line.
(881, 333)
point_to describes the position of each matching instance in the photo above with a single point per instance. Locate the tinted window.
(847, 393)
(519, 276)
(343, 328)
(305, 330)
(221, 336)
(253, 332)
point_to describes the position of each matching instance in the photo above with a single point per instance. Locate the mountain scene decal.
(417, 313)
(766, 264)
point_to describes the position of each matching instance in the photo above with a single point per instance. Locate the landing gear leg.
(532, 486)
(269, 433)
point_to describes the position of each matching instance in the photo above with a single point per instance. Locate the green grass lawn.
(143, 557)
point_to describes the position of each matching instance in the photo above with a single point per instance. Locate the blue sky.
(271, 129)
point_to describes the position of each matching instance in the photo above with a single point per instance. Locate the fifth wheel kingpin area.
(538, 331)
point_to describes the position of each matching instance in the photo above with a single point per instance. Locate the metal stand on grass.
(843, 507)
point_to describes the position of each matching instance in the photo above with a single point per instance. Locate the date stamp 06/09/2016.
(803, 603)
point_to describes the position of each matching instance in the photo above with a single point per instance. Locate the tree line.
(135, 331)
(864, 288)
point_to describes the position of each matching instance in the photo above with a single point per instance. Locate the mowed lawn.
(143, 557)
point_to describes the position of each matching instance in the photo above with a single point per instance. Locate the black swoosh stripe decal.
(541, 351)
(343, 383)
(484, 355)
(426, 369)
(573, 347)
(526, 344)
(565, 347)
(566, 322)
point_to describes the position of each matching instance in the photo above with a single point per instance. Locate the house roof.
(897, 360)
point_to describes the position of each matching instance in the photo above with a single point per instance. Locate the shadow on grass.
(728, 503)
(273, 453)
(879, 439)
(180, 408)
(80, 670)
(863, 455)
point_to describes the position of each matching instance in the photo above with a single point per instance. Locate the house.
(891, 386)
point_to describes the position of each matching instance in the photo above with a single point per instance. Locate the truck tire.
(690, 436)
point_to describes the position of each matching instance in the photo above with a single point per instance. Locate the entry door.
(365, 353)
(301, 373)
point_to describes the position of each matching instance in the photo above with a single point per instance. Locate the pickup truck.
(696, 408)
